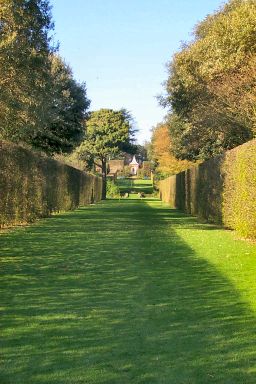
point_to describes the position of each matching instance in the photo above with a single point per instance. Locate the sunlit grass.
(127, 291)
(132, 185)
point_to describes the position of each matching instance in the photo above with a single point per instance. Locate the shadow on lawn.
(110, 294)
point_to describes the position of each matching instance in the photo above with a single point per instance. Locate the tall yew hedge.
(221, 190)
(34, 186)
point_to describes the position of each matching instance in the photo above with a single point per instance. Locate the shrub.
(112, 189)
(126, 171)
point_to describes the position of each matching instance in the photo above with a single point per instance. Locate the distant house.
(134, 166)
(115, 166)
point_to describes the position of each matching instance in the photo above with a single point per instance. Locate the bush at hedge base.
(34, 186)
(113, 190)
(221, 190)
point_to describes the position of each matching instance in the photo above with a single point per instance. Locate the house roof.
(134, 161)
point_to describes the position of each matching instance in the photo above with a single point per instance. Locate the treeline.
(211, 85)
(41, 104)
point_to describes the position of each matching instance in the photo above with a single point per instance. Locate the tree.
(211, 89)
(129, 145)
(68, 111)
(141, 152)
(165, 162)
(41, 104)
(106, 133)
(25, 80)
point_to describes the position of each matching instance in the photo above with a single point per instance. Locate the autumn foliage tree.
(211, 89)
(161, 146)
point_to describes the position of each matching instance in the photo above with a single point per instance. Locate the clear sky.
(120, 49)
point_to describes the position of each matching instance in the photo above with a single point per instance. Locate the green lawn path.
(135, 185)
(127, 291)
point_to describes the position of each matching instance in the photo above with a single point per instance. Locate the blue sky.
(120, 49)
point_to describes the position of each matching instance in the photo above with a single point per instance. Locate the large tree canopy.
(211, 88)
(25, 26)
(40, 102)
(68, 111)
(107, 132)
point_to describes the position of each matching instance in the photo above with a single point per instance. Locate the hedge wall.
(221, 190)
(34, 186)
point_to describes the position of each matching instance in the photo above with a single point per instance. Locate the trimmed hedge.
(34, 186)
(239, 197)
(221, 190)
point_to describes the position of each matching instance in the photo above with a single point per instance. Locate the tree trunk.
(104, 179)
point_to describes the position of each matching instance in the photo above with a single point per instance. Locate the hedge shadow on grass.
(110, 294)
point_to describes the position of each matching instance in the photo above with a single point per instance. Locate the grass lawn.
(135, 185)
(127, 292)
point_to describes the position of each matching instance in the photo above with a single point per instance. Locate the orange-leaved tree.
(161, 146)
